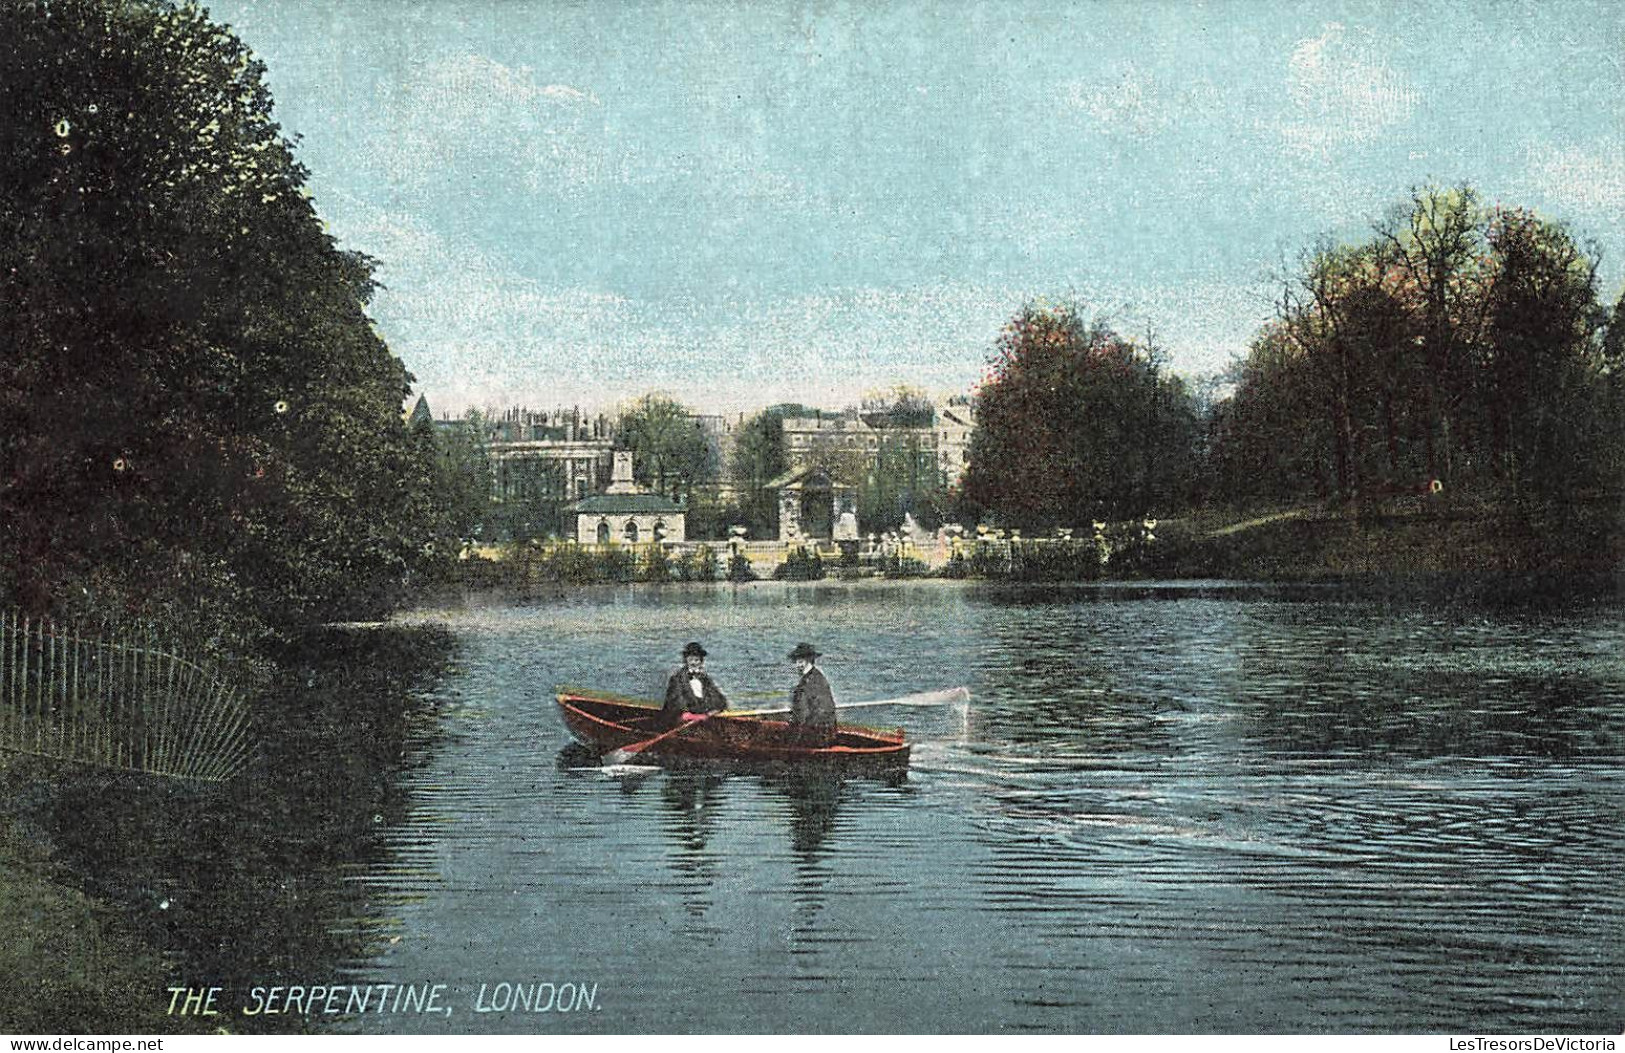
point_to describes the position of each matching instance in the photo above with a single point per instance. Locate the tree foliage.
(461, 485)
(1462, 343)
(901, 407)
(759, 457)
(198, 412)
(902, 479)
(670, 452)
(1075, 422)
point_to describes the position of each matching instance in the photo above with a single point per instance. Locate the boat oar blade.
(944, 697)
(619, 757)
(619, 771)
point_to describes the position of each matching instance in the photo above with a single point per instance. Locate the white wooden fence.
(116, 699)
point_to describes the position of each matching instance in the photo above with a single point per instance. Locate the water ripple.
(1210, 810)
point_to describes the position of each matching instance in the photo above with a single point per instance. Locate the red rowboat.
(606, 723)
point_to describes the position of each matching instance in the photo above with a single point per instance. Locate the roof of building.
(800, 478)
(626, 504)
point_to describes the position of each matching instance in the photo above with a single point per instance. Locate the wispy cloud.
(1580, 178)
(471, 113)
(565, 93)
(1340, 91)
(472, 87)
(1129, 101)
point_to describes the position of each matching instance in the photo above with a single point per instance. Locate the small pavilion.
(626, 513)
(813, 506)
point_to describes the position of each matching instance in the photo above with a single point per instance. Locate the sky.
(739, 204)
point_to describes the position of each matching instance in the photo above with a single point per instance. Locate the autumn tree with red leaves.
(1076, 423)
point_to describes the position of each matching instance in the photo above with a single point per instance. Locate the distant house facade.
(941, 445)
(540, 464)
(808, 438)
(893, 462)
(627, 514)
(557, 458)
(954, 426)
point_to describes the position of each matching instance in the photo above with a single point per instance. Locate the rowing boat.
(605, 723)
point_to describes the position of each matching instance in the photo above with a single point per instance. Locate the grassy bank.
(1405, 543)
(115, 886)
(69, 962)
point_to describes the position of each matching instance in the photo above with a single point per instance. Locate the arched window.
(631, 532)
(659, 532)
(603, 531)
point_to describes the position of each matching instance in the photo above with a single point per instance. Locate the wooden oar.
(625, 753)
(924, 698)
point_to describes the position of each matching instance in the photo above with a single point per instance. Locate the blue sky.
(739, 204)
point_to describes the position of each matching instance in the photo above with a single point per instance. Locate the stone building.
(955, 423)
(809, 439)
(813, 506)
(887, 463)
(943, 444)
(626, 513)
(556, 457)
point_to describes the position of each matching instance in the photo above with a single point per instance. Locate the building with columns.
(561, 457)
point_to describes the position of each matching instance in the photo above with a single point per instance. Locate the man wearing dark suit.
(691, 689)
(812, 706)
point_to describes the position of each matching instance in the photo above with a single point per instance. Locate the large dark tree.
(1460, 345)
(1542, 400)
(199, 416)
(1075, 423)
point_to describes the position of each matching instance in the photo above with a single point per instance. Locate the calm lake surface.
(1167, 809)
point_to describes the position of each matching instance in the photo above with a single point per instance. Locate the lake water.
(1183, 808)
(1166, 809)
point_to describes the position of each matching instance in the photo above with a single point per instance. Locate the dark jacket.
(813, 704)
(680, 700)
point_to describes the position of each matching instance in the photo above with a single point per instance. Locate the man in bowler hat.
(812, 706)
(691, 689)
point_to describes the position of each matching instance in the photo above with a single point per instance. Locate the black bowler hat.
(804, 650)
(692, 649)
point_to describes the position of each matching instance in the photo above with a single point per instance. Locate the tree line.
(1463, 347)
(720, 480)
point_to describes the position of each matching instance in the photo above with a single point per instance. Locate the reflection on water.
(1168, 810)
(1202, 809)
(252, 883)
(691, 801)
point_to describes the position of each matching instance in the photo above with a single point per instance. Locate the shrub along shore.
(1418, 541)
